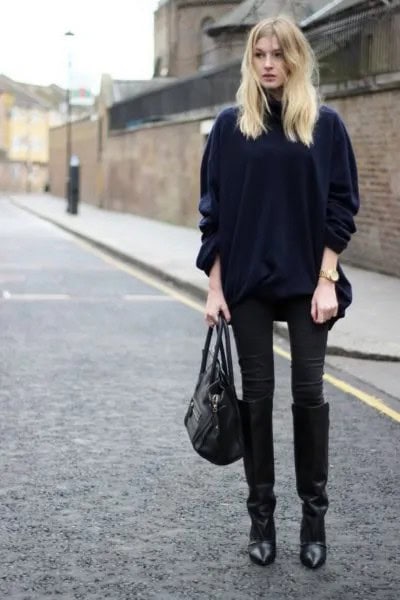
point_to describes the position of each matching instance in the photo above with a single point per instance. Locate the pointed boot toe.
(313, 555)
(262, 552)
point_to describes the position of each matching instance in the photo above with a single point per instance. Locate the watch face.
(334, 275)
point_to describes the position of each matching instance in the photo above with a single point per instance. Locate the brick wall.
(84, 143)
(153, 172)
(373, 123)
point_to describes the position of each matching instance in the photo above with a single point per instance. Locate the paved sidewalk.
(371, 328)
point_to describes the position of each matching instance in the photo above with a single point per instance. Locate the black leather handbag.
(212, 419)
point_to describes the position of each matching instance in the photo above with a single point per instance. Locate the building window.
(206, 58)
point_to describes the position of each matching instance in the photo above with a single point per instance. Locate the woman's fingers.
(226, 313)
(322, 311)
(212, 318)
(215, 305)
(314, 311)
(325, 313)
(212, 313)
(324, 304)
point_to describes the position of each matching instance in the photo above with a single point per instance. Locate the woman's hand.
(324, 304)
(215, 304)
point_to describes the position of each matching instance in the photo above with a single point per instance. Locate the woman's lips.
(269, 77)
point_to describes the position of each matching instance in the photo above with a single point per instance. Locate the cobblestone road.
(100, 494)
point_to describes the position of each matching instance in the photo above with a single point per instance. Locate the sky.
(110, 36)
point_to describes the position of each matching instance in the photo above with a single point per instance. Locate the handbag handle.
(228, 361)
(226, 353)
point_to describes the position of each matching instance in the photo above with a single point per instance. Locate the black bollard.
(74, 185)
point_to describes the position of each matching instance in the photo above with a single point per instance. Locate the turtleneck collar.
(274, 104)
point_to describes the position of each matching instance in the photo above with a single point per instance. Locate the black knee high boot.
(258, 463)
(311, 433)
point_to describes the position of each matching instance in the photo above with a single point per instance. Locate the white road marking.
(4, 278)
(34, 297)
(148, 298)
(51, 267)
(6, 295)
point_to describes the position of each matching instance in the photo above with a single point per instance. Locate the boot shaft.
(258, 461)
(311, 450)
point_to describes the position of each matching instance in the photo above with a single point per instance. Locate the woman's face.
(269, 64)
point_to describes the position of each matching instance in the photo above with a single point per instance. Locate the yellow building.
(28, 134)
(26, 114)
(6, 101)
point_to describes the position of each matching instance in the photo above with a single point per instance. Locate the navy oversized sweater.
(269, 206)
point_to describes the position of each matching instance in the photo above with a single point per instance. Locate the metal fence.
(362, 44)
(200, 91)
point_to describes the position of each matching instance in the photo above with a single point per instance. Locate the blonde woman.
(279, 192)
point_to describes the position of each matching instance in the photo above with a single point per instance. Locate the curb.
(193, 289)
(339, 351)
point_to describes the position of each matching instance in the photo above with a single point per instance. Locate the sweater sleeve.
(208, 205)
(343, 196)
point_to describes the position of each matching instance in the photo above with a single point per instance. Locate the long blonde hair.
(300, 99)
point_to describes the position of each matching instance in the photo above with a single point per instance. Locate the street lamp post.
(70, 35)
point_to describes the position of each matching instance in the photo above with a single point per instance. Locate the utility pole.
(69, 35)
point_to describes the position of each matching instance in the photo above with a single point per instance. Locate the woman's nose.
(267, 61)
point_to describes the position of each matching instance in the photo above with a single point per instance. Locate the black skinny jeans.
(252, 324)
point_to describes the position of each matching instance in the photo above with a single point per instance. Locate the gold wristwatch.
(330, 274)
